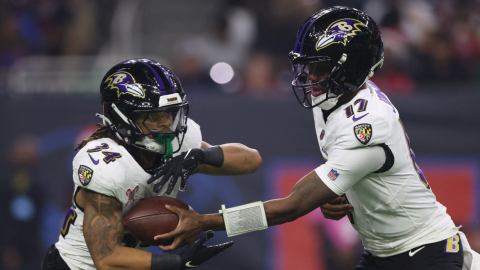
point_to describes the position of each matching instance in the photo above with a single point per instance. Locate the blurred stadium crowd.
(426, 41)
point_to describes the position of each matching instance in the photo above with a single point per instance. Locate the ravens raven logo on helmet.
(338, 31)
(124, 83)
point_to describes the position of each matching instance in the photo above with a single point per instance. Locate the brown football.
(149, 218)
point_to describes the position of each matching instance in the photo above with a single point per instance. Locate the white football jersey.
(394, 210)
(107, 168)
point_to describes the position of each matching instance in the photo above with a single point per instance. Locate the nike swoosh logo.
(413, 253)
(356, 119)
(93, 160)
(189, 265)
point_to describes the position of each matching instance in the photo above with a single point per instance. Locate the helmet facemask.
(315, 81)
(160, 130)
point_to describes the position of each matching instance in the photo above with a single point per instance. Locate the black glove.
(181, 166)
(197, 253)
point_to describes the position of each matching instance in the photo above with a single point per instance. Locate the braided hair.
(102, 132)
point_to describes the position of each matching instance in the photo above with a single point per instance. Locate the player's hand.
(181, 166)
(197, 253)
(188, 228)
(336, 209)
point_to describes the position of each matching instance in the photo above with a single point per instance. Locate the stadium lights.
(221, 73)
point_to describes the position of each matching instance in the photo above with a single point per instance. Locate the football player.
(145, 123)
(368, 156)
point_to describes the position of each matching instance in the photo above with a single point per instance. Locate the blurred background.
(231, 57)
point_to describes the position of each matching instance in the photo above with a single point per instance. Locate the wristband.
(165, 262)
(244, 218)
(213, 156)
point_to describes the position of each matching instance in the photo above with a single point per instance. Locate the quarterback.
(145, 123)
(368, 157)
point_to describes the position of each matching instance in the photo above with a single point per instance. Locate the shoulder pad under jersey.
(193, 137)
(364, 121)
(100, 166)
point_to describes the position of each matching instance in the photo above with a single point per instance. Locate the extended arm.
(226, 159)
(238, 159)
(307, 194)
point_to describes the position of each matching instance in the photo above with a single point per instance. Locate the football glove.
(197, 253)
(181, 166)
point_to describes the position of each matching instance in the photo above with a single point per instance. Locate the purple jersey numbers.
(349, 111)
(363, 104)
(69, 220)
(361, 108)
(98, 148)
(111, 156)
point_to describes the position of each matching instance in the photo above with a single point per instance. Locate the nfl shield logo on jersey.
(333, 174)
(85, 175)
(363, 133)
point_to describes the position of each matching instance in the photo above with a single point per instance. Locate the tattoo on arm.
(308, 189)
(102, 224)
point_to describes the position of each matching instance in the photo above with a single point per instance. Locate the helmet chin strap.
(109, 123)
(372, 70)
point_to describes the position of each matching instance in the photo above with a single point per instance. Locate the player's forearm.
(281, 211)
(212, 222)
(308, 194)
(125, 258)
(238, 160)
(130, 258)
(277, 212)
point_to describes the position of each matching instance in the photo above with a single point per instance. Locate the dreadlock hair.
(102, 132)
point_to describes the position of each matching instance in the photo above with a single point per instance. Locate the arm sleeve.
(345, 168)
